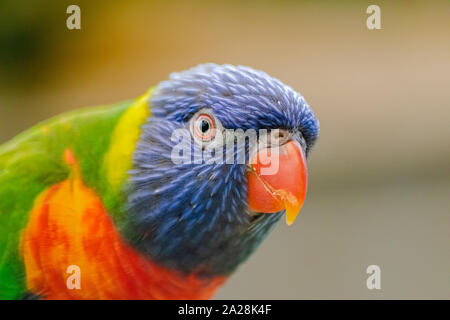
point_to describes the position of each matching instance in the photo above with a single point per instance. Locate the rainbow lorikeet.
(104, 194)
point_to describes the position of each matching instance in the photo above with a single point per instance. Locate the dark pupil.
(204, 126)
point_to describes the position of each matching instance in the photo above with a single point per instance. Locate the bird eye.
(204, 127)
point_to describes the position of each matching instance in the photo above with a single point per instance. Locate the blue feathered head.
(205, 216)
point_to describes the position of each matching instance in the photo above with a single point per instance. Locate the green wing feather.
(33, 161)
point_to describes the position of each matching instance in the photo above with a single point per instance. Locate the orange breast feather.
(69, 226)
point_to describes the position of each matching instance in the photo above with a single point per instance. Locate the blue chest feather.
(191, 217)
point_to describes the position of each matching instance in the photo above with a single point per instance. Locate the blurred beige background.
(379, 175)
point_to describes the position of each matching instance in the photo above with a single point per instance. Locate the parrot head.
(206, 215)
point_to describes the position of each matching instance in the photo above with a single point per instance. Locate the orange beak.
(278, 180)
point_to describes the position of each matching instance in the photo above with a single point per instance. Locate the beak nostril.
(279, 135)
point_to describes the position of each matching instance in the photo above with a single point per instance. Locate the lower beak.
(277, 180)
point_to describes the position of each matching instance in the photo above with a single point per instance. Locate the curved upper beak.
(277, 180)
